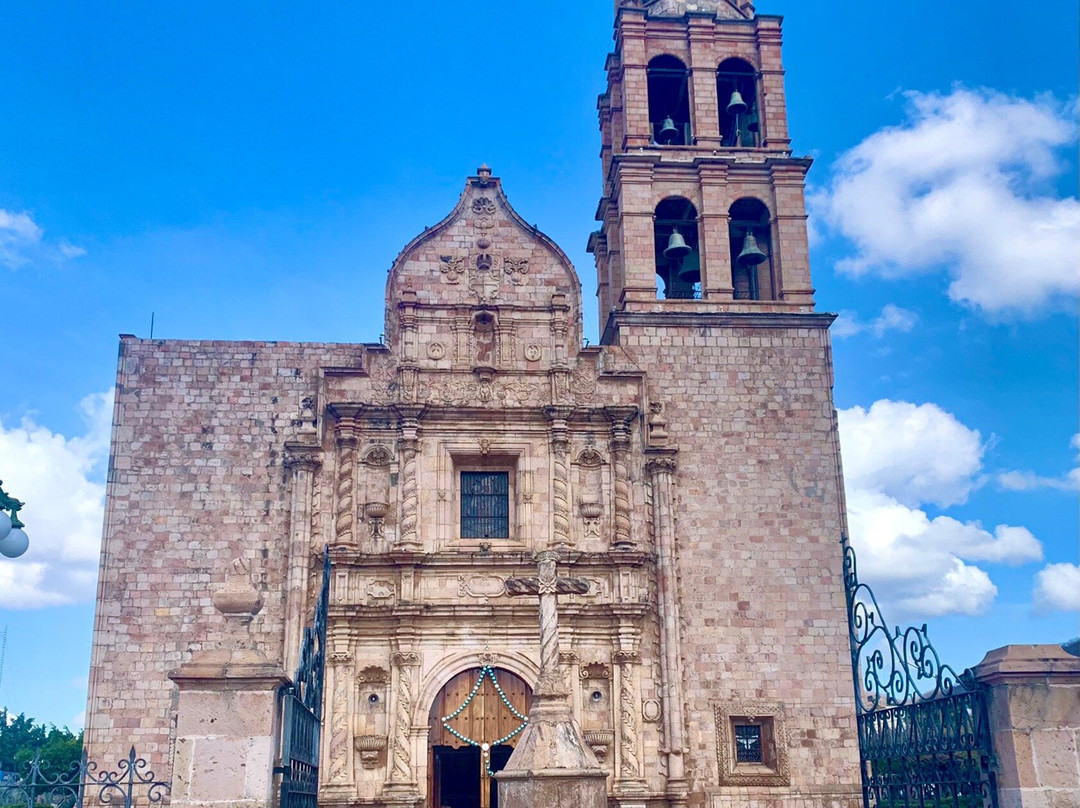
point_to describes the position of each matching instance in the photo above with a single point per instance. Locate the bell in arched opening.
(690, 269)
(669, 133)
(736, 106)
(751, 254)
(676, 246)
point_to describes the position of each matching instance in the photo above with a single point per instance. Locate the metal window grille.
(748, 743)
(485, 505)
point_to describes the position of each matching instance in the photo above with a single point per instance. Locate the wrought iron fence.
(301, 722)
(924, 739)
(133, 784)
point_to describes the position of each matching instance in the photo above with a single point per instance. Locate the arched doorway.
(474, 722)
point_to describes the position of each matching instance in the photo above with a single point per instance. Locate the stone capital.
(1022, 664)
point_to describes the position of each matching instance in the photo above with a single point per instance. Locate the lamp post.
(13, 539)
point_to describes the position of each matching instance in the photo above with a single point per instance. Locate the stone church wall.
(196, 482)
(759, 516)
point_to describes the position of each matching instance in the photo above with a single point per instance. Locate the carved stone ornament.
(238, 598)
(516, 269)
(596, 670)
(378, 455)
(533, 352)
(370, 748)
(599, 740)
(452, 267)
(589, 457)
(436, 350)
(373, 675)
(484, 210)
(481, 586)
(651, 711)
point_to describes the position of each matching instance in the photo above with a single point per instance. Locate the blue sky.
(250, 170)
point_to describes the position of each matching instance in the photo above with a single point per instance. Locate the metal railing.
(132, 784)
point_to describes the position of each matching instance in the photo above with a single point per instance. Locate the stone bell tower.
(703, 200)
(704, 284)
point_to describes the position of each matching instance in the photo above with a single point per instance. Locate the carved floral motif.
(452, 267)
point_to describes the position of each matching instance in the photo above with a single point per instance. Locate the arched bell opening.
(751, 251)
(669, 102)
(736, 89)
(474, 723)
(678, 259)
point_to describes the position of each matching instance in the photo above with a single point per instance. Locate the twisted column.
(408, 537)
(345, 486)
(340, 757)
(560, 478)
(401, 769)
(621, 418)
(629, 759)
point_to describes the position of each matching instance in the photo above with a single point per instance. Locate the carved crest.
(516, 269)
(452, 267)
(589, 457)
(378, 455)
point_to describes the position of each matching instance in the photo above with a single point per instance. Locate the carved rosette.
(629, 759)
(340, 732)
(401, 770)
(345, 491)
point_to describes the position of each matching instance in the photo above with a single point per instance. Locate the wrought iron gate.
(301, 718)
(924, 739)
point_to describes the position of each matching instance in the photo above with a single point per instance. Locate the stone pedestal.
(226, 731)
(1034, 714)
(552, 765)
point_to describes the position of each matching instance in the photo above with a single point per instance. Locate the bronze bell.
(752, 123)
(736, 106)
(690, 270)
(668, 131)
(751, 254)
(676, 245)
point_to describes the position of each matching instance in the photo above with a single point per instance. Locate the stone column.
(301, 462)
(345, 483)
(408, 529)
(339, 778)
(401, 788)
(706, 109)
(661, 469)
(1034, 714)
(621, 419)
(629, 781)
(560, 477)
(632, 29)
(715, 233)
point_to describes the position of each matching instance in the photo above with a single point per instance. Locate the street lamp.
(13, 539)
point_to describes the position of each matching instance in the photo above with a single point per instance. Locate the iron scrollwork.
(924, 737)
(84, 784)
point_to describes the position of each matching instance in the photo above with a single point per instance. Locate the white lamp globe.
(14, 544)
(5, 525)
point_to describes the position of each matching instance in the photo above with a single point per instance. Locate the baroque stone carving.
(373, 675)
(595, 670)
(436, 350)
(401, 771)
(560, 487)
(630, 763)
(339, 721)
(461, 390)
(452, 267)
(378, 455)
(370, 748)
(346, 484)
(484, 210)
(516, 269)
(409, 493)
(481, 586)
(774, 774)
(533, 352)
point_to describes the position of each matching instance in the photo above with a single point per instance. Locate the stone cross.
(548, 586)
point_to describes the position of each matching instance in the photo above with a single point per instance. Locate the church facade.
(687, 468)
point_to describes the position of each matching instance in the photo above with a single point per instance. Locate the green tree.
(22, 737)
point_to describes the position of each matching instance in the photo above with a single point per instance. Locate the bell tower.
(703, 207)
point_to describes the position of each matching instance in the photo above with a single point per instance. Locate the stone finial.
(237, 598)
(484, 173)
(658, 434)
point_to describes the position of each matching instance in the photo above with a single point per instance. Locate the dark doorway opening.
(460, 778)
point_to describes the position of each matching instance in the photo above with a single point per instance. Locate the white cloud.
(915, 453)
(1057, 588)
(897, 457)
(1029, 481)
(964, 184)
(59, 479)
(891, 318)
(22, 242)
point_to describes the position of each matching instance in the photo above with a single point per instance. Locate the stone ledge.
(1018, 664)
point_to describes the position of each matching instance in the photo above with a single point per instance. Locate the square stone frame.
(515, 457)
(752, 774)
